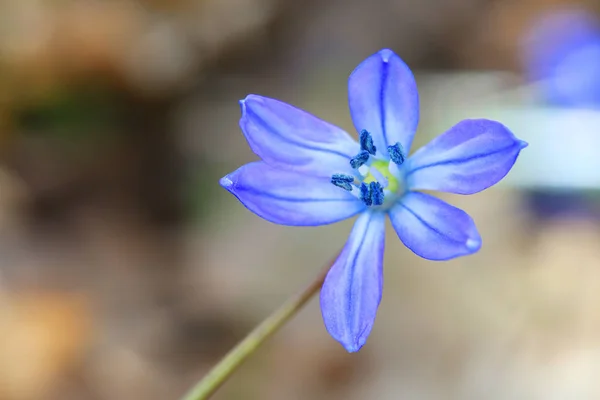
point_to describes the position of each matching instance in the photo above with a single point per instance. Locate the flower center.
(379, 169)
(376, 181)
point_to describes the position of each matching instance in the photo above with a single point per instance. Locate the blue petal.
(384, 100)
(289, 198)
(432, 228)
(287, 137)
(352, 289)
(473, 155)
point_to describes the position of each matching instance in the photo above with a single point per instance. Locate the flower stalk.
(236, 356)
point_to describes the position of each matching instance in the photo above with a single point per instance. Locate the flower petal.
(287, 137)
(289, 198)
(432, 228)
(384, 100)
(470, 157)
(353, 287)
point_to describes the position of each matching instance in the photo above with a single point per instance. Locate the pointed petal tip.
(354, 347)
(386, 54)
(523, 144)
(249, 98)
(242, 104)
(226, 182)
(473, 244)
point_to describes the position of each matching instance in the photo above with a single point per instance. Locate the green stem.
(236, 356)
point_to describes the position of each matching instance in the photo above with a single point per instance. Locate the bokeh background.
(126, 271)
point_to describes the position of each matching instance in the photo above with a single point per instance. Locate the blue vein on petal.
(269, 128)
(352, 269)
(275, 197)
(461, 160)
(421, 220)
(382, 93)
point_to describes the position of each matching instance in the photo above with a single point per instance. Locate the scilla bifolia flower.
(314, 173)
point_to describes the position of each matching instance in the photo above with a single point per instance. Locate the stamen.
(342, 181)
(365, 194)
(396, 153)
(359, 159)
(366, 142)
(393, 169)
(376, 192)
(371, 194)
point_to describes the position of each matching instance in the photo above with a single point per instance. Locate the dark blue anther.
(376, 191)
(371, 194)
(359, 159)
(365, 194)
(396, 153)
(343, 181)
(366, 142)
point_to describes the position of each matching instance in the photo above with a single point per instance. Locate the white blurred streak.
(563, 151)
(564, 142)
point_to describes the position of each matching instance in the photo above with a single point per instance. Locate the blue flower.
(562, 52)
(314, 173)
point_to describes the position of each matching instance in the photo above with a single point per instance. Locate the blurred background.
(126, 271)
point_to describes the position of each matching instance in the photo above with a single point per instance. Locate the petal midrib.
(353, 301)
(300, 144)
(459, 160)
(429, 226)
